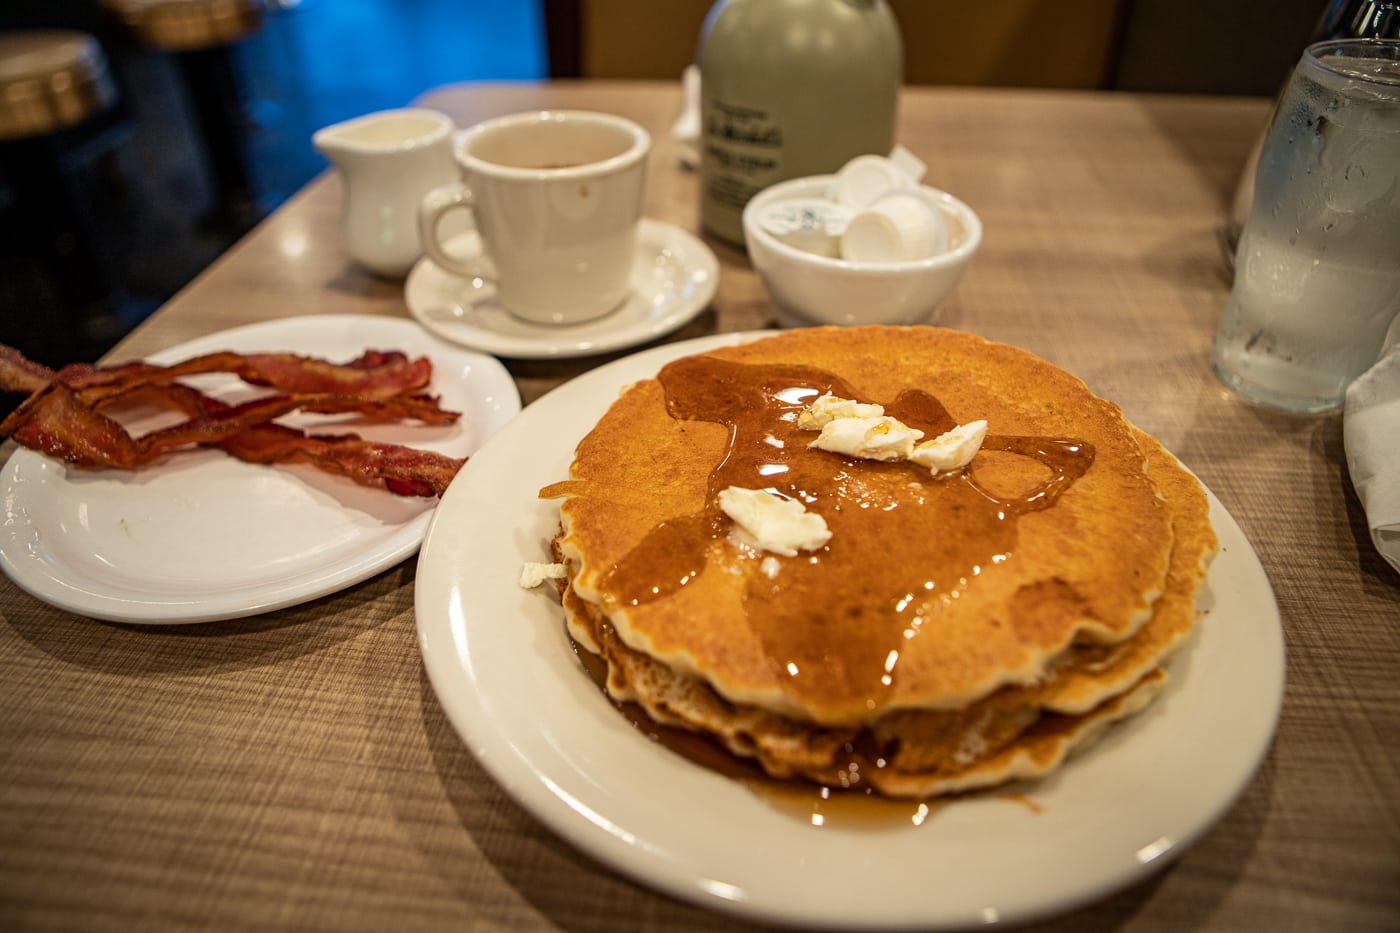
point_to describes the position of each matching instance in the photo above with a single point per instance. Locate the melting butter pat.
(825, 409)
(951, 450)
(858, 429)
(879, 438)
(772, 523)
(534, 574)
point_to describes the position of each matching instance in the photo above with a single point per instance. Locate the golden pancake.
(1036, 752)
(932, 593)
(956, 631)
(1017, 732)
(1089, 673)
(1021, 732)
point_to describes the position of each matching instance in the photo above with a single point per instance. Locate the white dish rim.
(552, 756)
(590, 338)
(43, 576)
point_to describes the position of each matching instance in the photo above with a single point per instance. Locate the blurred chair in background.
(53, 84)
(199, 36)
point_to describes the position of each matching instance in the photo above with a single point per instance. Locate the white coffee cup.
(556, 197)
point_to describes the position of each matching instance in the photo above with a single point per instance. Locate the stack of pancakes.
(958, 630)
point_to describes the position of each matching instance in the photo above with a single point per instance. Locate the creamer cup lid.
(908, 163)
(865, 179)
(813, 225)
(898, 227)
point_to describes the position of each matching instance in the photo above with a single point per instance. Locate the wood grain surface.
(295, 771)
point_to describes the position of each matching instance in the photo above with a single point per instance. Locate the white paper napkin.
(686, 130)
(1371, 432)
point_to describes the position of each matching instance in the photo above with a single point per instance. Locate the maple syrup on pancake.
(833, 622)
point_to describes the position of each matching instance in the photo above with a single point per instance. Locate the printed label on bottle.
(743, 148)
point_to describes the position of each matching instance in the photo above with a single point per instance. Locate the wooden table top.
(295, 770)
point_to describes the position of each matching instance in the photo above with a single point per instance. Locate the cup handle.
(434, 206)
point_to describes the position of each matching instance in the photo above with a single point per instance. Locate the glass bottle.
(790, 88)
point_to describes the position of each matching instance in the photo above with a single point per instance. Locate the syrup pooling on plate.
(904, 542)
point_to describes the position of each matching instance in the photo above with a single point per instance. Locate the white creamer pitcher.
(387, 161)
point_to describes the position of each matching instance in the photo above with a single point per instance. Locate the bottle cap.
(813, 225)
(899, 227)
(864, 179)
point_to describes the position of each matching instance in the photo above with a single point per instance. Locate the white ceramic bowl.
(814, 289)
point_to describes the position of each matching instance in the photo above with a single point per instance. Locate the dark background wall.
(145, 175)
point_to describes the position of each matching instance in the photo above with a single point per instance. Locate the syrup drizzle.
(855, 806)
(878, 593)
(827, 807)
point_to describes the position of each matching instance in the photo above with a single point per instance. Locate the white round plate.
(501, 665)
(674, 278)
(199, 536)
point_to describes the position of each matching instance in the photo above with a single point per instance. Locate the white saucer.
(674, 279)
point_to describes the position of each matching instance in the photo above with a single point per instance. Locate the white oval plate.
(501, 665)
(200, 536)
(674, 278)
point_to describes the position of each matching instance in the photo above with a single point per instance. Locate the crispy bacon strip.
(54, 422)
(18, 374)
(174, 397)
(402, 470)
(63, 416)
(424, 408)
(375, 375)
(219, 426)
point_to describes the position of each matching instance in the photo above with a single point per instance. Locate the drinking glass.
(1317, 278)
